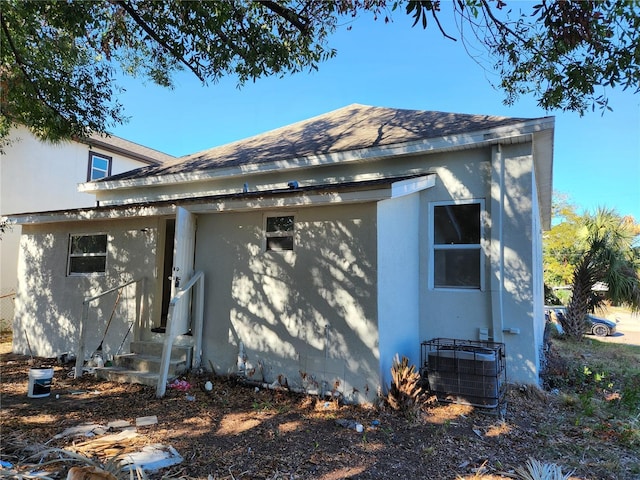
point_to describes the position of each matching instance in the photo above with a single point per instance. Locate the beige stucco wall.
(311, 315)
(510, 240)
(399, 291)
(454, 313)
(49, 302)
(507, 302)
(36, 176)
(507, 305)
(307, 315)
(523, 293)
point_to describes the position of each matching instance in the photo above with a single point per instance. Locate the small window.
(99, 166)
(87, 254)
(457, 253)
(279, 233)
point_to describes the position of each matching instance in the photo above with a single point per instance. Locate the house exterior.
(37, 176)
(322, 249)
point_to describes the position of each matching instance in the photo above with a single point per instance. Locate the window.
(99, 166)
(457, 253)
(87, 254)
(279, 233)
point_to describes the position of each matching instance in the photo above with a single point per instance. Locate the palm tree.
(607, 256)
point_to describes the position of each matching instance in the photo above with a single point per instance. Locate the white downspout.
(497, 246)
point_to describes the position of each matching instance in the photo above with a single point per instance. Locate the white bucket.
(40, 382)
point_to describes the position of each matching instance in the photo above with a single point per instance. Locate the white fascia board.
(445, 143)
(543, 155)
(93, 142)
(219, 205)
(305, 200)
(91, 214)
(140, 197)
(412, 185)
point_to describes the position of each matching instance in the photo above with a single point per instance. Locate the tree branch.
(22, 66)
(500, 24)
(289, 15)
(234, 48)
(444, 34)
(142, 24)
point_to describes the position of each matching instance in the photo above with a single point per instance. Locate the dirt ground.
(237, 432)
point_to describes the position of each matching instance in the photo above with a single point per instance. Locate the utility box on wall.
(465, 371)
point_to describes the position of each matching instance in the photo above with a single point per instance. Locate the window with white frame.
(87, 254)
(99, 166)
(279, 233)
(457, 257)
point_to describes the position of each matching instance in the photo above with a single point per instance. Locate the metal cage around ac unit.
(465, 371)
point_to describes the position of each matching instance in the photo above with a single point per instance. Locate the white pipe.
(241, 363)
(277, 387)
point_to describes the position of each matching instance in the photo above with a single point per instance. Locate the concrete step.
(143, 364)
(154, 349)
(123, 375)
(148, 363)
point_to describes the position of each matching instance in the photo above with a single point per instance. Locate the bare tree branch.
(499, 24)
(440, 27)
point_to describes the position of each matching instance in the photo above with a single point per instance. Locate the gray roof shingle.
(350, 128)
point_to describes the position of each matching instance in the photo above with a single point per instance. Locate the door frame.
(168, 250)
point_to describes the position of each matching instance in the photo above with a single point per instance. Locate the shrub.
(404, 394)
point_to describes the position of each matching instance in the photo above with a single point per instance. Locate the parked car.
(600, 327)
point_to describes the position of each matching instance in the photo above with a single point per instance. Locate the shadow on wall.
(519, 264)
(49, 302)
(308, 316)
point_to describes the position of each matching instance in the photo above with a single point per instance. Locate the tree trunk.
(578, 307)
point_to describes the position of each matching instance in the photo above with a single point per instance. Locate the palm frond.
(112, 465)
(536, 470)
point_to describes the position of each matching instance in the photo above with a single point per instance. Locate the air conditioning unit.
(465, 371)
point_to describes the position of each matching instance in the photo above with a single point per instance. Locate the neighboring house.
(36, 176)
(321, 249)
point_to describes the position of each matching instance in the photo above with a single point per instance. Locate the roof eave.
(543, 146)
(438, 144)
(350, 192)
(94, 142)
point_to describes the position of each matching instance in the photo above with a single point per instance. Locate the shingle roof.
(350, 128)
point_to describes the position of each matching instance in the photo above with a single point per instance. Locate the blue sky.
(596, 158)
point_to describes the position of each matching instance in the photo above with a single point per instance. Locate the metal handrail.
(106, 292)
(170, 333)
(85, 315)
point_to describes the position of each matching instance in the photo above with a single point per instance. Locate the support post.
(81, 339)
(198, 321)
